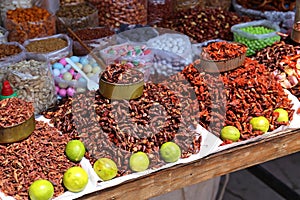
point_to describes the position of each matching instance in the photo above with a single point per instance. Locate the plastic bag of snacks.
(115, 13)
(93, 37)
(175, 43)
(76, 16)
(11, 52)
(53, 47)
(256, 34)
(283, 18)
(33, 81)
(3, 35)
(51, 5)
(142, 34)
(68, 81)
(28, 23)
(6, 5)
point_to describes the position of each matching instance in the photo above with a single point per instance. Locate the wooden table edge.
(214, 165)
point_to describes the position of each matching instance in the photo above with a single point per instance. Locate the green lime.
(75, 150)
(75, 179)
(139, 161)
(170, 152)
(260, 123)
(283, 115)
(230, 133)
(105, 168)
(41, 190)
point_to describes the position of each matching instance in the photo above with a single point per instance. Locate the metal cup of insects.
(121, 84)
(17, 132)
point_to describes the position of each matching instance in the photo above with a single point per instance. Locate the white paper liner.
(209, 144)
(294, 124)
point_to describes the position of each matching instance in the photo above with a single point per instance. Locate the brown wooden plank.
(212, 166)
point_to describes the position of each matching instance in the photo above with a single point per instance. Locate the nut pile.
(222, 50)
(114, 13)
(7, 50)
(40, 156)
(234, 97)
(34, 83)
(46, 45)
(27, 23)
(117, 128)
(92, 33)
(202, 25)
(14, 111)
(121, 74)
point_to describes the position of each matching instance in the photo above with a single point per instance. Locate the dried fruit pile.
(34, 158)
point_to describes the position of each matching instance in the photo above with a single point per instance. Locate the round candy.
(56, 72)
(70, 92)
(72, 71)
(63, 85)
(62, 92)
(96, 70)
(77, 76)
(79, 65)
(56, 89)
(57, 66)
(63, 61)
(87, 69)
(90, 75)
(94, 64)
(67, 76)
(84, 60)
(81, 79)
(62, 71)
(68, 66)
(75, 59)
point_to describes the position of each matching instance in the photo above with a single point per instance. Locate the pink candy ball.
(70, 92)
(56, 89)
(77, 76)
(62, 92)
(72, 71)
(63, 61)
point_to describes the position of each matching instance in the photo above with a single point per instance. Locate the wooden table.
(209, 167)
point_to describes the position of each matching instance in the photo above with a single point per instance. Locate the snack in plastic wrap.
(54, 47)
(256, 41)
(76, 17)
(28, 23)
(175, 43)
(33, 81)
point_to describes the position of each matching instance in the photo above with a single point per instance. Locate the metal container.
(121, 91)
(17, 132)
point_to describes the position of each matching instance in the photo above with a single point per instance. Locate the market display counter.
(237, 158)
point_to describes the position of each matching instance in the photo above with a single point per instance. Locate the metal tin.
(215, 66)
(121, 91)
(18, 132)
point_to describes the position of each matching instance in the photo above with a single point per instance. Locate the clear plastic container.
(33, 81)
(93, 37)
(3, 35)
(158, 10)
(6, 5)
(14, 57)
(186, 4)
(23, 24)
(55, 55)
(115, 13)
(76, 17)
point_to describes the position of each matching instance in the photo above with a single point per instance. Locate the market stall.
(97, 104)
